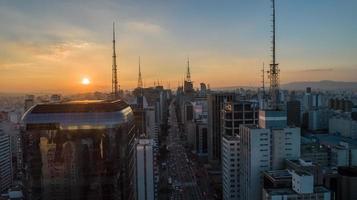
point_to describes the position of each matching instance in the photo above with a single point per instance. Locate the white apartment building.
(230, 167)
(285, 145)
(255, 157)
(146, 185)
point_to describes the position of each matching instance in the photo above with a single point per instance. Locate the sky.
(50, 46)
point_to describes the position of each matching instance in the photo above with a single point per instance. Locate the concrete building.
(315, 152)
(302, 182)
(312, 100)
(340, 156)
(195, 124)
(201, 139)
(341, 151)
(200, 108)
(230, 167)
(318, 119)
(55, 98)
(150, 124)
(265, 147)
(146, 170)
(285, 143)
(344, 126)
(29, 102)
(343, 155)
(292, 185)
(319, 193)
(277, 179)
(302, 165)
(164, 97)
(5, 162)
(340, 104)
(79, 150)
(13, 131)
(203, 90)
(255, 158)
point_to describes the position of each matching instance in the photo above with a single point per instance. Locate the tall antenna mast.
(188, 75)
(263, 80)
(140, 80)
(115, 88)
(274, 68)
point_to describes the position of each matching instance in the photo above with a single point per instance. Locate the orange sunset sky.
(51, 46)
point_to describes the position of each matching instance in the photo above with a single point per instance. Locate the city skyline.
(60, 46)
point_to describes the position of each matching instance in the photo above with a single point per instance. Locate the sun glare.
(85, 81)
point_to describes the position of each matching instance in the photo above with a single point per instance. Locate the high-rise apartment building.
(5, 162)
(255, 158)
(285, 145)
(29, 102)
(265, 147)
(230, 167)
(146, 170)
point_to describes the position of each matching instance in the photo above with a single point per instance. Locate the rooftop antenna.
(263, 80)
(115, 87)
(188, 75)
(140, 80)
(274, 68)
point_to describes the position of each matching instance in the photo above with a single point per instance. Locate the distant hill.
(322, 85)
(233, 88)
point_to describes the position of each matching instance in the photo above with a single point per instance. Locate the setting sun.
(85, 81)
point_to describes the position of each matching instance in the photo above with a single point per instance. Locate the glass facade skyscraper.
(79, 150)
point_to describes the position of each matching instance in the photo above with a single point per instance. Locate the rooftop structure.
(78, 114)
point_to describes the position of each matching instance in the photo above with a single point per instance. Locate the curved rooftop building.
(79, 150)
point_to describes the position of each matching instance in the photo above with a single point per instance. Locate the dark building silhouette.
(237, 113)
(340, 104)
(216, 102)
(347, 183)
(293, 113)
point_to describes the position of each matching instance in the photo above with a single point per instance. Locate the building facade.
(255, 158)
(146, 170)
(230, 167)
(236, 113)
(216, 103)
(5, 162)
(79, 150)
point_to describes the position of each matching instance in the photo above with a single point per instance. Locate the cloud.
(318, 70)
(144, 27)
(51, 50)
(12, 67)
(63, 49)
